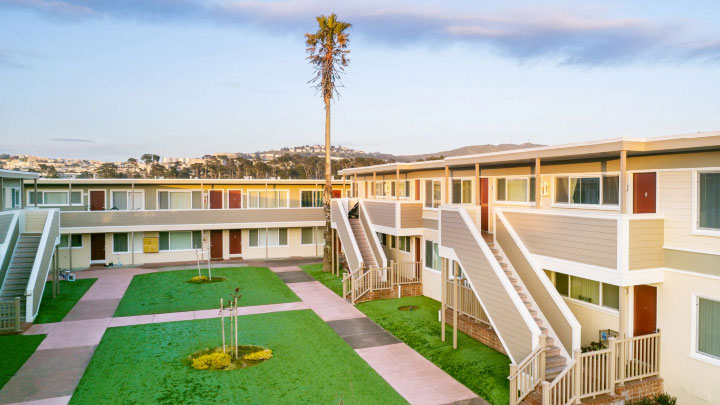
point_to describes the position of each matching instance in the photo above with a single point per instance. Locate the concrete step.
(552, 372)
(550, 341)
(552, 351)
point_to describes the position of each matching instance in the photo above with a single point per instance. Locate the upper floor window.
(433, 193)
(311, 198)
(55, 197)
(709, 200)
(127, 200)
(402, 189)
(515, 189)
(179, 200)
(461, 191)
(594, 190)
(267, 199)
(379, 188)
(708, 327)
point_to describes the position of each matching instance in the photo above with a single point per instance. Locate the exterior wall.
(702, 263)
(431, 284)
(646, 244)
(586, 240)
(381, 213)
(80, 255)
(593, 320)
(293, 249)
(411, 216)
(686, 377)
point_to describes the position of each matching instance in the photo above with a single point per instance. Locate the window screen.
(708, 333)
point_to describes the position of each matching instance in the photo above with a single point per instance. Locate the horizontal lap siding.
(495, 299)
(430, 224)
(5, 221)
(381, 213)
(190, 217)
(411, 215)
(586, 240)
(35, 221)
(646, 244)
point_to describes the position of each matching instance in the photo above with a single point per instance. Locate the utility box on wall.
(151, 242)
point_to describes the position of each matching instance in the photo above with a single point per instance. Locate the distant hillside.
(465, 150)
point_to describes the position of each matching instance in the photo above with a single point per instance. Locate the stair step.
(552, 351)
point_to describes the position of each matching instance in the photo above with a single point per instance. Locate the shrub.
(199, 279)
(261, 355)
(213, 361)
(661, 399)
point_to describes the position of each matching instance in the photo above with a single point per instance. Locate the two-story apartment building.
(138, 221)
(572, 243)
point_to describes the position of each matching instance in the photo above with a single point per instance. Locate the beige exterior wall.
(381, 213)
(686, 377)
(432, 287)
(646, 244)
(293, 249)
(592, 319)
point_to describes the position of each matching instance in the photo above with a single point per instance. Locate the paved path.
(51, 374)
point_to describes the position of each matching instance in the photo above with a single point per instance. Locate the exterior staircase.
(21, 264)
(555, 363)
(362, 242)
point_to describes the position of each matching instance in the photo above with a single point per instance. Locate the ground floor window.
(586, 290)
(180, 240)
(274, 237)
(708, 327)
(432, 255)
(311, 236)
(76, 241)
(120, 243)
(404, 243)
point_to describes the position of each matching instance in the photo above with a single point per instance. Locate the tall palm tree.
(327, 51)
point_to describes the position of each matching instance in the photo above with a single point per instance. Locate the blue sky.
(110, 79)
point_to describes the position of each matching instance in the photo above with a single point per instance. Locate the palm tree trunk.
(327, 192)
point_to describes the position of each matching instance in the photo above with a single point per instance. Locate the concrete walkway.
(52, 373)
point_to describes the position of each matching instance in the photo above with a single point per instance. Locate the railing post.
(545, 393)
(513, 385)
(621, 363)
(577, 376)
(657, 352)
(18, 328)
(612, 359)
(543, 344)
(393, 270)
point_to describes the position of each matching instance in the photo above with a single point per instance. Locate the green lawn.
(311, 364)
(55, 309)
(328, 279)
(479, 367)
(16, 350)
(169, 291)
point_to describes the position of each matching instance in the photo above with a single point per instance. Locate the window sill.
(705, 358)
(587, 206)
(705, 232)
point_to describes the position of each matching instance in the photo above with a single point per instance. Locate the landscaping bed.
(170, 291)
(478, 367)
(16, 350)
(329, 280)
(309, 364)
(55, 309)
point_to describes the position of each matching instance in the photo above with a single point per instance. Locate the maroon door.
(644, 193)
(97, 246)
(417, 249)
(234, 199)
(97, 200)
(645, 310)
(417, 190)
(235, 241)
(216, 199)
(216, 245)
(484, 204)
(337, 194)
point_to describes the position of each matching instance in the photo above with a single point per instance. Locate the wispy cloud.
(568, 37)
(79, 140)
(10, 59)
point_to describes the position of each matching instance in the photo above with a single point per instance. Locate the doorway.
(484, 204)
(235, 241)
(216, 199)
(97, 200)
(644, 310)
(644, 188)
(216, 244)
(97, 248)
(417, 190)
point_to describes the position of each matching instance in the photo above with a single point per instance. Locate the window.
(127, 200)
(404, 243)
(462, 191)
(433, 194)
(311, 198)
(268, 199)
(120, 243)
(379, 189)
(76, 241)
(381, 238)
(274, 236)
(432, 255)
(180, 240)
(393, 241)
(15, 197)
(515, 189)
(307, 236)
(54, 197)
(585, 290)
(179, 200)
(562, 283)
(610, 296)
(709, 200)
(587, 190)
(403, 188)
(589, 291)
(708, 327)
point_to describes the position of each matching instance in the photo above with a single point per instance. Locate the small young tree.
(231, 307)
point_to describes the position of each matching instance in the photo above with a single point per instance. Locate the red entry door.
(235, 241)
(97, 200)
(97, 246)
(644, 193)
(484, 204)
(216, 199)
(337, 194)
(235, 199)
(417, 249)
(216, 244)
(645, 310)
(417, 190)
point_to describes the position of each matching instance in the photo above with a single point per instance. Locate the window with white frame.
(588, 291)
(433, 193)
(75, 239)
(120, 243)
(403, 243)
(379, 188)
(268, 198)
(55, 198)
(311, 198)
(461, 191)
(515, 189)
(180, 240)
(708, 200)
(432, 255)
(179, 200)
(587, 190)
(274, 236)
(124, 200)
(708, 327)
(403, 189)
(312, 236)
